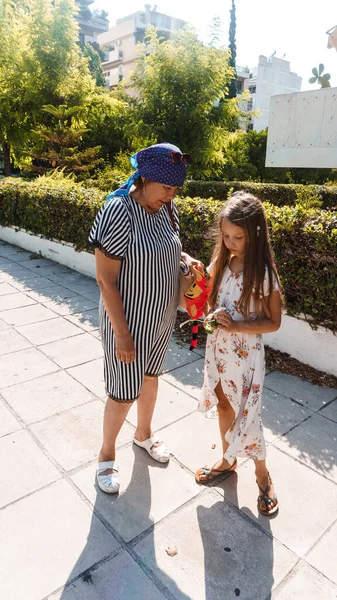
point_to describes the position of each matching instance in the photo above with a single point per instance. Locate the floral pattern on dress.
(237, 361)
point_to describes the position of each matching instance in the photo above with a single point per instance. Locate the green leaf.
(320, 68)
(312, 79)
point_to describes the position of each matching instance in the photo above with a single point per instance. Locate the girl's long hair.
(246, 211)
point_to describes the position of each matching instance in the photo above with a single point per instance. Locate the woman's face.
(234, 237)
(156, 195)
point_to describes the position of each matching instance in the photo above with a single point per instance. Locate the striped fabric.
(149, 250)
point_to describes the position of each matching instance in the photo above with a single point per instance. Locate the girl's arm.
(270, 322)
(107, 271)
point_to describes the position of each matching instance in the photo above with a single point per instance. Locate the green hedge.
(304, 240)
(277, 193)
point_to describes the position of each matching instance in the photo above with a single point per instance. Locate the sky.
(294, 28)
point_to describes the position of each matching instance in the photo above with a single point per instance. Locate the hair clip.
(258, 230)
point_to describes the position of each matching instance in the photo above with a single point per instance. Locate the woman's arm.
(107, 272)
(269, 323)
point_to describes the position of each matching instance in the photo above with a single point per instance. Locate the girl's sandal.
(213, 474)
(267, 501)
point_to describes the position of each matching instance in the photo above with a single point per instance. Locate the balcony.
(115, 55)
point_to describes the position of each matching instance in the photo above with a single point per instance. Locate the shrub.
(304, 237)
(277, 194)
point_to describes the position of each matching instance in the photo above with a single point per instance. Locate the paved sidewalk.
(57, 529)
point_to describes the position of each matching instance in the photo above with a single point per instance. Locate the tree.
(60, 143)
(92, 51)
(232, 47)
(41, 63)
(177, 88)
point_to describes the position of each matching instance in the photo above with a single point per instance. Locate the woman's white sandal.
(159, 453)
(107, 483)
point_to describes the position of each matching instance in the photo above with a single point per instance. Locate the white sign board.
(302, 130)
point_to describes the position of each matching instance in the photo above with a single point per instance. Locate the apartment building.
(121, 40)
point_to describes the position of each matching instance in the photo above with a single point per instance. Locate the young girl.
(245, 302)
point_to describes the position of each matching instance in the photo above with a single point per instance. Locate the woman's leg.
(115, 414)
(145, 408)
(226, 416)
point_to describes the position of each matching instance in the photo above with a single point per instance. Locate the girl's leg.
(264, 483)
(226, 416)
(114, 416)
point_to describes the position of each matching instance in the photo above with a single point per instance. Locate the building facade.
(121, 40)
(272, 76)
(91, 23)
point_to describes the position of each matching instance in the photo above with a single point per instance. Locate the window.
(252, 89)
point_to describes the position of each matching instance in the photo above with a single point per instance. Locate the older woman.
(138, 253)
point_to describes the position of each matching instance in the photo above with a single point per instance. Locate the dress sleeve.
(111, 229)
(265, 287)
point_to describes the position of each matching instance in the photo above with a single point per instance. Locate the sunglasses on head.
(176, 157)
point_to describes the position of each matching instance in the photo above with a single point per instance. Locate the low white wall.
(317, 348)
(64, 253)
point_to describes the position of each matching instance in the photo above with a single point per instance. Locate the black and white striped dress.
(149, 250)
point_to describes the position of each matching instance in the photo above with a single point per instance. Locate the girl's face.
(234, 237)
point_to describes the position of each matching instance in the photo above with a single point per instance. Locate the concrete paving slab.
(323, 555)
(11, 341)
(280, 414)
(23, 366)
(54, 292)
(50, 537)
(94, 295)
(50, 331)
(110, 583)
(304, 582)
(83, 287)
(221, 554)
(12, 269)
(149, 492)
(3, 325)
(55, 269)
(191, 439)
(74, 437)
(314, 443)
(330, 411)
(5, 289)
(311, 396)
(35, 264)
(32, 282)
(18, 276)
(14, 301)
(178, 355)
(88, 321)
(29, 314)
(46, 396)
(172, 404)
(74, 351)
(70, 306)
(8, 424)
(298, 528)
(13, 252)
(71, 278)
(24, 468)
(190, 377)
(91, 376)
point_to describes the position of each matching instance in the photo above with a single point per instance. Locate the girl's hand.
(225, 321)
(125, 349)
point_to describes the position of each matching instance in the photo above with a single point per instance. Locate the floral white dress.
(237, 360)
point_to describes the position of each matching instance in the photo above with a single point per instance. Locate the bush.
(60, 210)
(277, 194)
(304, 238)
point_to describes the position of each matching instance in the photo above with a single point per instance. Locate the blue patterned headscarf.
(155, 164)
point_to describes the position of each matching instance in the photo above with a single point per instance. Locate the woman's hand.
(192, 262)
(225, 321)
(125, 348)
